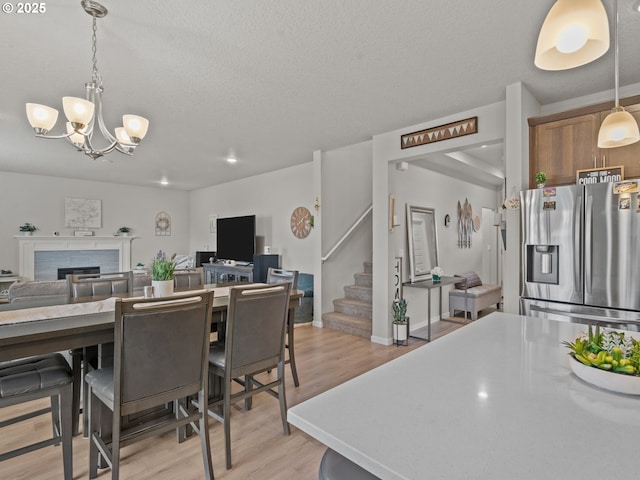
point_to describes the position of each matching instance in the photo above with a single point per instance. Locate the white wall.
(40, 200)
(271, 197)
(386, 150)
(346, 195)
(424, 188)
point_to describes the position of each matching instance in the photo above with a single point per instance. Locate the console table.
(429, 285)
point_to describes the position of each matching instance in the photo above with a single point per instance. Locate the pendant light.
(574, 33)
(619, 128)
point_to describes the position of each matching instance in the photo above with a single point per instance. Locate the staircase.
(352, 314)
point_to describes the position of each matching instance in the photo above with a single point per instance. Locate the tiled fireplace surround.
(40, 256)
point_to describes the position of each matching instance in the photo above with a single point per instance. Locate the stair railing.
(348, 233)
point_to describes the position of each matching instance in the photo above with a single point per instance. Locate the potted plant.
(124, 231)
(541, 179)
(28, 229)
(400, 322)
(436, 274)
(608, 359)
(139, 267)
(162, 274)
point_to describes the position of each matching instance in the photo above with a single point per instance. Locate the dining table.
(495, 399)
(44, 326)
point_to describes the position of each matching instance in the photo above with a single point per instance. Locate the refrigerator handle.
(588, 248)
(583, 317)
(577, 235)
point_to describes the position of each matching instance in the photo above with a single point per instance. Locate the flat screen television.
(236, 238)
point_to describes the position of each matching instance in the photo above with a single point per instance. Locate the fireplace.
(40, 257)
(63, 272)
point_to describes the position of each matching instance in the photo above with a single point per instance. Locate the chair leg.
(283, 399)
(205, 443)
(226, 416)
(55, 418)
(66, 424)
(290, 345)
(92, 430)
(248, 386)
(76, 368)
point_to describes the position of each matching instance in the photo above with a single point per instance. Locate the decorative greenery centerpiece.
(27, 227)
(541, 178)
(162, 268)
(607, 350)
(124, 230)
(399, 310)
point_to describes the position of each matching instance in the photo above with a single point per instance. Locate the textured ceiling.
(272, 81)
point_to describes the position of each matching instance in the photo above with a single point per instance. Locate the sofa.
(44, 290)
(472, 295)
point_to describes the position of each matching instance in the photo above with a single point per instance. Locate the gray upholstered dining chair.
(34, 378)
(254, 343)
(88, 285)
(96, 284)
(278, 275)
(188, 278)
(161, 357)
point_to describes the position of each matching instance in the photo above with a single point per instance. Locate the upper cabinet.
(560, 144)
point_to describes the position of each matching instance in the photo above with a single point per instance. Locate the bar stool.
(33, 378)
(336, 467)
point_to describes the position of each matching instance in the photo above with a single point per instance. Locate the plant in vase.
(400, 320)
(124, 231)
(541, 179)
(436, 274)
(28, 229)
(162, 274)
(611, 358)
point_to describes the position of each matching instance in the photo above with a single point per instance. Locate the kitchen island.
(493, 400)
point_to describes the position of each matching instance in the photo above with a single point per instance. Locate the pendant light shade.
(574, 33)
(41, 117)
(618, 129)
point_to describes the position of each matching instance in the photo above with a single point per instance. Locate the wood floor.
(260, 450)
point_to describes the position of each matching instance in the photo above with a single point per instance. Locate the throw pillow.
(473, 280)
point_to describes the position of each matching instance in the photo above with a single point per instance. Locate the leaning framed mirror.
(423, 242)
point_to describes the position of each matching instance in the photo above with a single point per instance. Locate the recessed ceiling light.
(164, 181)
(231, 159)
(636, 6)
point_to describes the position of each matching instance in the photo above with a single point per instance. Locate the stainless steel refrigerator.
(581, 254)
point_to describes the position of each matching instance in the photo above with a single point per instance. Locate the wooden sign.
(600, 175)
(437, 134)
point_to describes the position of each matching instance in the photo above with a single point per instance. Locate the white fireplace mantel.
(29, 245)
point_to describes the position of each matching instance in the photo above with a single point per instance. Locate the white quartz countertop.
(493, 400)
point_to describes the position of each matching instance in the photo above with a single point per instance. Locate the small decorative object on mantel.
(162, 274)
(436, 274)
(607, 359)
(541, 179)
(400, 322)
(27, 229)
(124, 231)
(437, 134)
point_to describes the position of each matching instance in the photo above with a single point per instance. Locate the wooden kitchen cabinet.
(562, 143)
(561, 147)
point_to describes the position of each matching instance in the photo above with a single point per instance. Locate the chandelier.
(84, 114)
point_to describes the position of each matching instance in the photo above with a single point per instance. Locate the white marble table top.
(493, 400)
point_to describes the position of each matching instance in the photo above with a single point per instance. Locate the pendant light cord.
(615, 39)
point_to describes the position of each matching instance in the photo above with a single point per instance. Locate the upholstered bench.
(477, 296)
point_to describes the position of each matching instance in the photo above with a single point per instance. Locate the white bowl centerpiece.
(608, 359)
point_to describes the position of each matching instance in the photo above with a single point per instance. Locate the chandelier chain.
(95, 75)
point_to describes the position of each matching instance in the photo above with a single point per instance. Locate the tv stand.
(241, 271)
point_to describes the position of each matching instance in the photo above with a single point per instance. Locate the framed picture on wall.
(82, 213)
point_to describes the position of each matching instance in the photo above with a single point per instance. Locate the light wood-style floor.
(260, 450)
